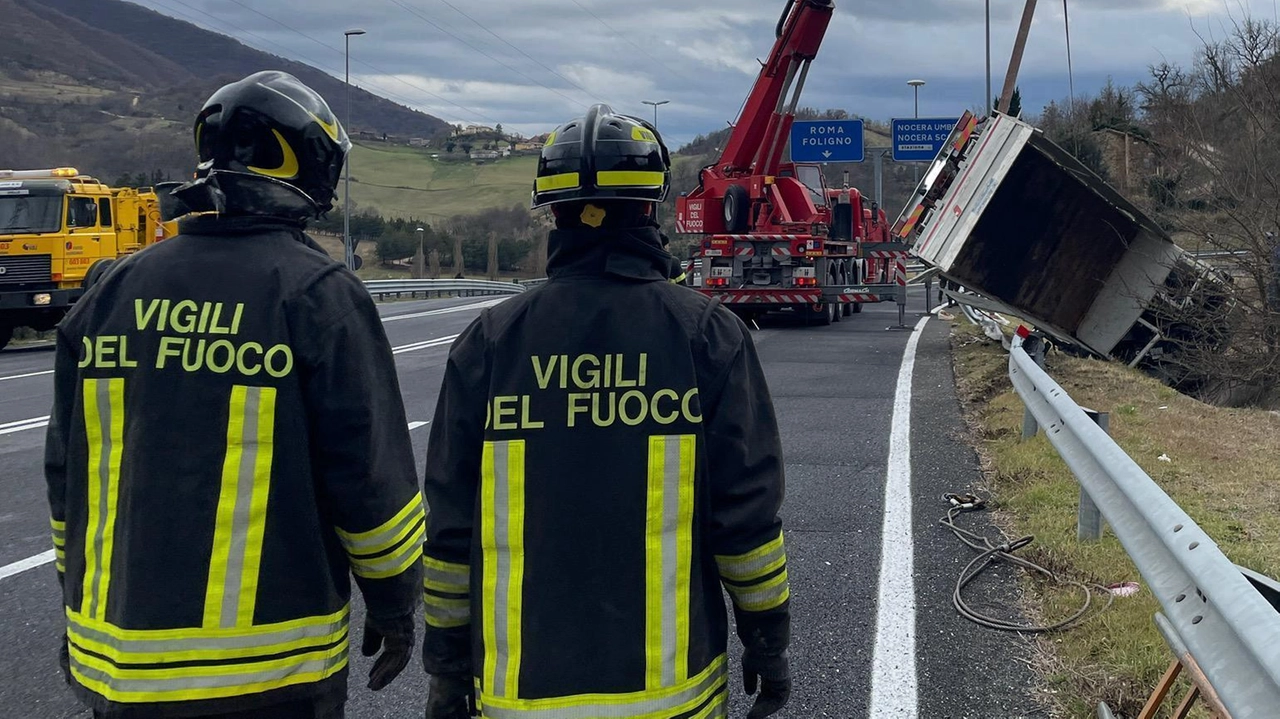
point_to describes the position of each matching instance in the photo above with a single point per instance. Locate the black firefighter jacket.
(228, 443)
(604, 456)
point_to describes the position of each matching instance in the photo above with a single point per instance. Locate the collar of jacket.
(238, 225)
(635, 254)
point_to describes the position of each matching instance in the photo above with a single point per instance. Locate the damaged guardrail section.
(1224, 632)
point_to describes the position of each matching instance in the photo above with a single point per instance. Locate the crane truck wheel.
(736, 206)
(6, 334)
(96, 272)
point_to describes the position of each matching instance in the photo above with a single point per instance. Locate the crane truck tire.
(737, 204)
(96, 272)
(6, 334)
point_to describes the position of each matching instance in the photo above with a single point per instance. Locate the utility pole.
(420, 257)
(349, 251)
(1015, 62)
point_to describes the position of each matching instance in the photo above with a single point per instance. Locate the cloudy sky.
(530, 64)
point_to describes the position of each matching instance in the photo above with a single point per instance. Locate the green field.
(406, 182)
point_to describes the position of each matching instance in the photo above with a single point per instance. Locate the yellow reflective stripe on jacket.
(232, 588)
(159, 646)
(59, 544)
(761, 562)
(502, 542)
(137, 686)
(762, 597)
(757, 580)
(170, 665)
(706, 690)
(391, 548)
(446, 593)
(104, 430)
(668, 555)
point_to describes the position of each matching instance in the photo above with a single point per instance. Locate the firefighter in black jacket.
(228, 442)
(604, 458)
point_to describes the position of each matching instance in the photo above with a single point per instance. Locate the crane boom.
(759, 136)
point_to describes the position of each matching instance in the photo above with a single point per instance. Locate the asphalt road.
(834, 389)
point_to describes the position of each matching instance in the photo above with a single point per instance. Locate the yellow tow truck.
(59, 231)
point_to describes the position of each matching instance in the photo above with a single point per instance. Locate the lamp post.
(916, 85)
(346, 192)
(656, 105)
(420, 257)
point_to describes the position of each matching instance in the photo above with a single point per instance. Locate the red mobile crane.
(774, 236)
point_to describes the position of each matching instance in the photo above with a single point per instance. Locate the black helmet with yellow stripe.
(269, 145)
(603, 156)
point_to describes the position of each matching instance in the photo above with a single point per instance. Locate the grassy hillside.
(406, 182)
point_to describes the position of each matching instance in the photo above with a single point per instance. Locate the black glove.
(451, 696)
(395, 638)
(774, 676)
(765, 637)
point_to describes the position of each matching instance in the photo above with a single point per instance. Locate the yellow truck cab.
(60, 230)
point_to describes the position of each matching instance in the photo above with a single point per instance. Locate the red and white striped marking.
(781, 251)
(746, 251)
(887, 255)
(861, 299)
(771, 298)
(761, 238)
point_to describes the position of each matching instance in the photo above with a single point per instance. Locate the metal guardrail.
(443, 288)
(1222, 628)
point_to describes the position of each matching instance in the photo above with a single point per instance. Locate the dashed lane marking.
(24, 425)
(27, 375)
(894, 688)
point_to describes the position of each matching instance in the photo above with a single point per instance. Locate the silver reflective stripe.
(763, 596)
(381, 541)
(737, 569)
(260, 638)
(670, 551)
(442, 581)
(240, 515)
(448, 612)
(187, 682)
(661, 703)
(502, 519)
(105, 413)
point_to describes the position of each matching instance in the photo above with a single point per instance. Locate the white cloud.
(534, 63)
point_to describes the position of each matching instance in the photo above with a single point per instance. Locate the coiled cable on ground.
(990, 553)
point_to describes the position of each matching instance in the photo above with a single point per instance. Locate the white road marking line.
(24, 425)
(25, 376)
(446, 310)
(417, 425)
(439, 342)
(894, 689)
(23, 565)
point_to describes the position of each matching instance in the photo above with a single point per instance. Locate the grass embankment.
(407, 182)
(1225, 472)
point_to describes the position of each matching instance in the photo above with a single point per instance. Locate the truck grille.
(26, 269)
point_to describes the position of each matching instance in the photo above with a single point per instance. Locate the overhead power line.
(629, 41)
(462, 40)
(484, 27)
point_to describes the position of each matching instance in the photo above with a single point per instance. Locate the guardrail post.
(1035, 348)
(1088, 517)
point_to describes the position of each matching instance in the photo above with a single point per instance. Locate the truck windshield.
(21, 215)
(811, 177)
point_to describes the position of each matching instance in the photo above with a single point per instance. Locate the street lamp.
(656, 105)
(916, 85)
(346, 192)
(420, 257)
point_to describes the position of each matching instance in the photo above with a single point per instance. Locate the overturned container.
(1005, 213)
